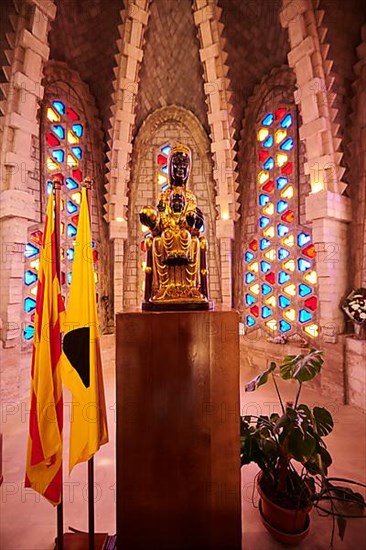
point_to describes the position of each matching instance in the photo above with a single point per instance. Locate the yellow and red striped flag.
(44, 456)
(81, 360)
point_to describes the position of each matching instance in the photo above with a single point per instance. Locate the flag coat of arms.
(44, 455)
(81, 358)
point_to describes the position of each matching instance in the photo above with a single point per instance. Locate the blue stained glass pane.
(268, 142)
(263, 199)
(265, 266)
(266, 289)
(70, 254)
(249, 321)
(304, 290)
(59, 131)
(71, 207)
(263, 221)
(267, 121)
(304, 316)
(49, 187)
(282, 230)
(77, 152)
(284, 326)
(248, 256)
(30, 277)
(165, 186)
(165, 169)
(249, 300)
(58, 155)
(283, 301)
(71, 184)
(281, 182)
(266, 312)
(249, 278)
(29, 304)
(69, 275)
(303, 238)
(30, 250)
(287, 145)
(71, 230)
(283, 253)
(59, 106)
(269, 164)
(303, 265)
(286, 121)
(28, 332)
(281, 206)
(166, 150)
(77, 129)
(283, 277)
(264, 243)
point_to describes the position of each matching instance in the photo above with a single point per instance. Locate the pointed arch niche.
(164, 128)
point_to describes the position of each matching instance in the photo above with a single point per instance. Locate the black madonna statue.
(176, 266)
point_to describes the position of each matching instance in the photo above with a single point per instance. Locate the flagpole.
(57, 191)
(88, 187)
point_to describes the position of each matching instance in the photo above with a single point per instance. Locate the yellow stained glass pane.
(281, 159)
(253, 267)
(289, 240)
(262, 134)
(263, 176)
(269, 232)
(280, 135)
(71, 161)
(289, 265)
(290, 314)
(312, 330)
(95, 277)
(76, 197)
(34, 290)
(254, 288)
(52, 115)
(288, 193)
(311, 277)
(290, 290)
(62, 228)
(35, 264)
(272, 324)
(271, 301)
(72, 138)
(62, 253)
(269, 209)
(52, 165)
(271, 254)
(62, 204)
(162, 179)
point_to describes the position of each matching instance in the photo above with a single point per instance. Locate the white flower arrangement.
(355, 306)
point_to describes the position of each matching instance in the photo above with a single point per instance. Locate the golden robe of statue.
(176, 273)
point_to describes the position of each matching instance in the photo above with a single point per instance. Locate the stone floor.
(28, 522)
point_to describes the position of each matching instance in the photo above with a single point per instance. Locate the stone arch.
(168, 125)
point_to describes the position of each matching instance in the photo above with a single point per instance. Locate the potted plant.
(355, 307)
(290, 451)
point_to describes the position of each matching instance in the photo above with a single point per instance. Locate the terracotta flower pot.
(284, 524)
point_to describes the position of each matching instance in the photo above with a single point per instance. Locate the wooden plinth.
(178, 444)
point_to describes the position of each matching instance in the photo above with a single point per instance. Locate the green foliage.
(290, 448)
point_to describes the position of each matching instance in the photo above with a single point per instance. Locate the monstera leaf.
(260, 379)
(302, 367)
(323, 421)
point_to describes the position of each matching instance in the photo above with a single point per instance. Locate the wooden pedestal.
(178, 444)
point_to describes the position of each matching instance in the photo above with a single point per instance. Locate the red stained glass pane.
(95, 256)
(263, 155)
(33, 316)
(270, 278)
(268, 188)
(72, 114)
(288, 216)
(37, 237)
(59, 177)
(287, 169)
(280, 113)
(310, 251)
(77, 175)
(161, 160)
(52, 140)
(253, 245)
(255, 310)
(311, 303)
(75, 219)
(62, 278)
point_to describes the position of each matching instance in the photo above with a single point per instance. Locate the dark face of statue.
(180, 165)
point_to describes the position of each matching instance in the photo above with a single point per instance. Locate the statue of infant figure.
(176, 263)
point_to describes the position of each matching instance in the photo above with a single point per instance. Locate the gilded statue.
(176, 268)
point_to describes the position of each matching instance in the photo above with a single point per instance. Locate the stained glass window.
(63, 145)
(280, 278)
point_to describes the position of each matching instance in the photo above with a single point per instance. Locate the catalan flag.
(44, 456)
(81, 360)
